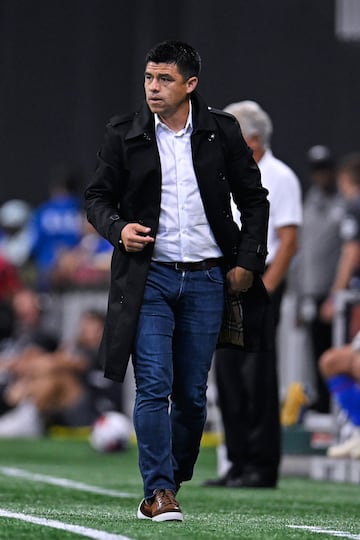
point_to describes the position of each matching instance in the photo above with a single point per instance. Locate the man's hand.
(239, 280)
(327, 310)
(135, 237)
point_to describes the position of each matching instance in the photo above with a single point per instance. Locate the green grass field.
(27, 468)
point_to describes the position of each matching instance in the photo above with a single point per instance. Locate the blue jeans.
(179, 323)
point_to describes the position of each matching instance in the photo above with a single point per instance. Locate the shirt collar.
(188, 124)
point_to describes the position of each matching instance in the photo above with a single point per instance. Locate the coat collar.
(143, 121)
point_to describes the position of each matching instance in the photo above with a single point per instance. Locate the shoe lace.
(166, 496)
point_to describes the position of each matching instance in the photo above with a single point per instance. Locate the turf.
(210, 513)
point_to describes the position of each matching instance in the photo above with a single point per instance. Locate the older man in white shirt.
(247, 382)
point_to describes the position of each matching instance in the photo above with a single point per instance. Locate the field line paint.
(63, 482)
(339, 534)
(76, 529)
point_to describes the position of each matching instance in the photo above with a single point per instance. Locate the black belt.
(194, 266)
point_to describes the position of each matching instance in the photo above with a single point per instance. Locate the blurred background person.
(28, 333)
(7, 323)
(319, 252)
(85, 265)
(340, 367)
(347, 273)
(15, 238)
(56, 225)
(10, 281)
(33, 325)
(59, 386)
(247, 382)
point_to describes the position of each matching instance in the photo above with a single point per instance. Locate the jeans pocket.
(216, 274)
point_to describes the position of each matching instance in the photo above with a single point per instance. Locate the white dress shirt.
(184, 234)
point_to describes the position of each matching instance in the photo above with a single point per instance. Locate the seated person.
(24, 332)
(32, 322)
(55, 383)
(7, 321)
(24, 326)
(340, 366)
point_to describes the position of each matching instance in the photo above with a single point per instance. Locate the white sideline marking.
(340, 534)
(76, 529)
(63, 482)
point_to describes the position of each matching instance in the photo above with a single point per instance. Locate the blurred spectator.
(348, 267)
(32, 322)
(106, 394)
(55, 225)
(59, 387)
(86, 265)
(340, 367)
(320, 245)
(24, 328)
(26, 325)
(7, 322)
(15, 238)
(9, 280)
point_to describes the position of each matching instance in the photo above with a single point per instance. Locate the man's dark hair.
(183, 55)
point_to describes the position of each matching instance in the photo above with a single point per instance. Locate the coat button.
(222, 176)
(211, 137)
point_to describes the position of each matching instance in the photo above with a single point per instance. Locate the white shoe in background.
(350, 448)
(22, 421)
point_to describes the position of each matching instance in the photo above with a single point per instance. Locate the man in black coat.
(161, 196)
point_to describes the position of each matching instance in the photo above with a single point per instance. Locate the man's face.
(90, 331)
(346, 185)
(166, 90)
(324, 178)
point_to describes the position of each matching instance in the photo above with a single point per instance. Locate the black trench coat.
(126, 187)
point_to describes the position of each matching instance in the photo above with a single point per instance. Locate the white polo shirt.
(284, 198)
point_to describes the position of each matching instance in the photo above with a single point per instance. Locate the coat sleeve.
(103, 193)
(250, 198)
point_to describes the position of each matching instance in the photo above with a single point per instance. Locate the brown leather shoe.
(162, 507)
(165, 507)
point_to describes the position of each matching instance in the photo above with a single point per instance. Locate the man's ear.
(191, 84)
